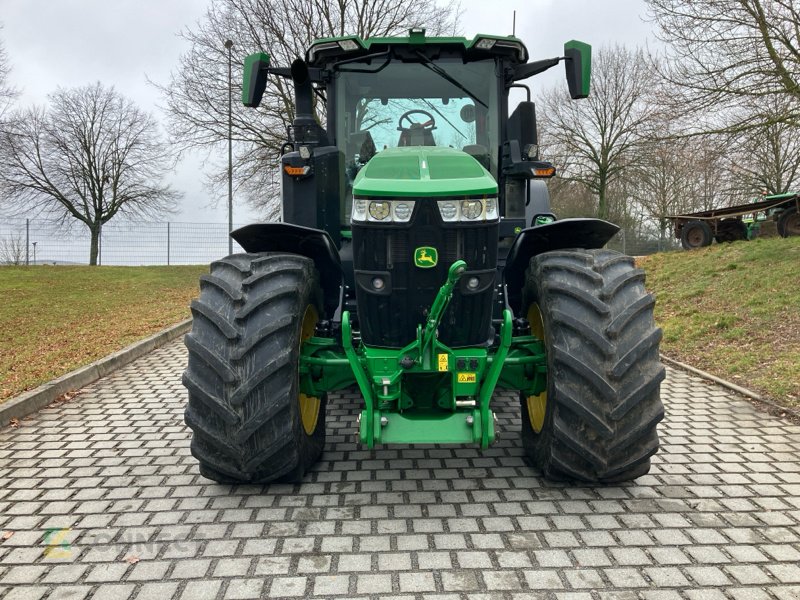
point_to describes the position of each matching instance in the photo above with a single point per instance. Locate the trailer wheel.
(731, 230)
(789, 222)
(249, 422)
(695, 234)
(597, 420)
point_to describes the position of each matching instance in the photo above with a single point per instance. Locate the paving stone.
(149, 571)
(501, 580)
(26, 593)
(460, 581)
(417, 582)
(288, 587)
(707, 576)
(331, 585)
(107, 572)
(157, 591)
(201, 590)
(666, 577)
(232, 567)
(394, 562)
(373, 584)
(584, 578)
(113, 592)
(71, 592)
(748, 574)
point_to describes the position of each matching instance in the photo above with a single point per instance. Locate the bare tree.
(666, 180)
(766, 160)
(7, 92)
(91, 156)
(12, 250)
(722, 52)
(197, 95)
(593, 141)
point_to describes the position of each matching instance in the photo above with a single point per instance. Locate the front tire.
(597, 420)
(250, 424)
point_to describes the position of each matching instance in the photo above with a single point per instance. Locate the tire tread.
(603, 367)
(242, 371)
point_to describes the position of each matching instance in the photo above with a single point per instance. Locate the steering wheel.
(426, 126)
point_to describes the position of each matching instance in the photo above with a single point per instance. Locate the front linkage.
(426, 392)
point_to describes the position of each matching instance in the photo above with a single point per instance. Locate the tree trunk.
(602, 191)
(94, 246)
(602, 209)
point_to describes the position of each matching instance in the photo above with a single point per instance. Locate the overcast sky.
(67, 43)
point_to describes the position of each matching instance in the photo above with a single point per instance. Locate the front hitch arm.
(443, 297)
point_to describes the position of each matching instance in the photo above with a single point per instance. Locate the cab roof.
(325, 50)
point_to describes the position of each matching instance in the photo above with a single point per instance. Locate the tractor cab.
(410, 92)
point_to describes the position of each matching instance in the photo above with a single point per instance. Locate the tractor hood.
(423, 171)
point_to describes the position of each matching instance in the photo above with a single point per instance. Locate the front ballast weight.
(426, 392)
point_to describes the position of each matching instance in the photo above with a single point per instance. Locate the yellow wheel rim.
(537, 405)
(309, 405)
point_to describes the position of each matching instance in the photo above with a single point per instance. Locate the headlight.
(468, 210)
(402, 211)
(379, 211)
(471, 209)
(491, 209)
(448, 210)
(383, 211)
(359, 210)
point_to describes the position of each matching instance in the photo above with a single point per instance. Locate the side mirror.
(522, 126)
(578, 65)
(255, 78)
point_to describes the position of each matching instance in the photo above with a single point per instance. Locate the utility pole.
(229, 46)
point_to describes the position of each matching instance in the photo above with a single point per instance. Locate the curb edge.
(37, 398)
(731, 386)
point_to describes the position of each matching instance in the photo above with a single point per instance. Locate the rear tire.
(696, 234)
(249, 422)
(789, 222)
(597, 422)
(731, 230)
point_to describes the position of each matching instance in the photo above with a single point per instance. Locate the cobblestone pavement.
(104, 501)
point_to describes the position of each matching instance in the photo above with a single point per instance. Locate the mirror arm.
(314, 74)
(284, 72)
(530, 69)
(524, 87)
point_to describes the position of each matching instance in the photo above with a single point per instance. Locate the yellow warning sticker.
(443, 362)
(466, 378)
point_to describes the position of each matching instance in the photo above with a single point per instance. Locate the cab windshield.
(409, 104)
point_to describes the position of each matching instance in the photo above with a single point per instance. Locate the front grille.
(390, 318)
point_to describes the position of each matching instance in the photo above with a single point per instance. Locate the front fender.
(315, 244)
(558, 235)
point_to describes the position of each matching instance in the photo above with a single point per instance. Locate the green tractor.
(418, 259)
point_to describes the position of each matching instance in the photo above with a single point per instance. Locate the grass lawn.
(734, 310)
(56, 319)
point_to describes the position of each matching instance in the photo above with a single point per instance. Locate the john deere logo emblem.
(426, 257)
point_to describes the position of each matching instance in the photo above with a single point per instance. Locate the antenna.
(514, 24)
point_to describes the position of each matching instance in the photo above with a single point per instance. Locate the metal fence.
(37, 241)
(641, 244)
